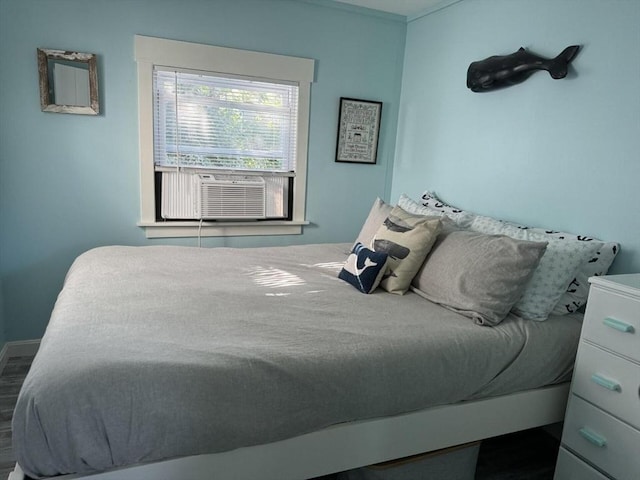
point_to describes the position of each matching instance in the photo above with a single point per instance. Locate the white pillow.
(431, 206)
(558, 266)
(597, 264)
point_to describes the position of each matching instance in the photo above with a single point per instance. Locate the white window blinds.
(206, 121)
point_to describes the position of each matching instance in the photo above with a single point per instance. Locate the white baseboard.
(18, 349)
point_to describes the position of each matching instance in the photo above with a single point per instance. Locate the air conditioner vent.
(179, 195)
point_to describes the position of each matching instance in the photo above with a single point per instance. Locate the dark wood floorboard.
(11, 379)
(528, 455)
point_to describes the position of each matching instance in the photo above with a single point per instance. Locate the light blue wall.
(70, 182)
(562, 154)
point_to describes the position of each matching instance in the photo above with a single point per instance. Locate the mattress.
(160, 352)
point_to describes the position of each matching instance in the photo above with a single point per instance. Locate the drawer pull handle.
(618, 325)
(606, 383)
(592, 437)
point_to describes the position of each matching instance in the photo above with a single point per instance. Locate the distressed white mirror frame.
(47, 100)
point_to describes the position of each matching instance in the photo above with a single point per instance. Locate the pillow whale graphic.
(364, 268)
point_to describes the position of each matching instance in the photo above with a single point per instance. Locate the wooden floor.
(11, 379)
(528, 455)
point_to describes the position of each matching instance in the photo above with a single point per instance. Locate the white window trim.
(150, 51)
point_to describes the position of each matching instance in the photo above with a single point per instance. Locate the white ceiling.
(408, 8)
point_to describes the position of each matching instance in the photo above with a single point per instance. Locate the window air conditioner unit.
(231, 197)
(212, 197)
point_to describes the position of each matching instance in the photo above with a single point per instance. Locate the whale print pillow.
(364, 268)
(463, 218)
(407, 239)
(575, 296)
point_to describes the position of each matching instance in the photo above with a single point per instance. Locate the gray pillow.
(377, 215)
(477, 275)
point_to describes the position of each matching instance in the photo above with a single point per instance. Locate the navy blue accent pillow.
(364, 268)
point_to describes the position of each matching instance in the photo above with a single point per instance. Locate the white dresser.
(601, 435)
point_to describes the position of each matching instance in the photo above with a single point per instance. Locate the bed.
(185, 362)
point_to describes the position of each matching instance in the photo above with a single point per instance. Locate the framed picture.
(358, 131)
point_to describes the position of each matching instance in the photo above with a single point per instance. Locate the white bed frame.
(355, 444)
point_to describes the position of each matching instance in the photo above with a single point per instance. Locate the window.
(208, 121)
(223, 139)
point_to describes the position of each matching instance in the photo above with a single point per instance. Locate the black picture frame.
(358, 131)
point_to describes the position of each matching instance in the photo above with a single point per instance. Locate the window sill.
(221, 229)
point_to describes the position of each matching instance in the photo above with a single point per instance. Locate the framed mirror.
(68, 82)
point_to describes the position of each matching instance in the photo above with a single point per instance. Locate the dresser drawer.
(608, 443)
(570, 467)
(613, 321)
(608, 381)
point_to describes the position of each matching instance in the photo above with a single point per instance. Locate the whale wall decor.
(501, 71)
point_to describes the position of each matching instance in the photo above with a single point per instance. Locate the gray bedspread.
(158, 352)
